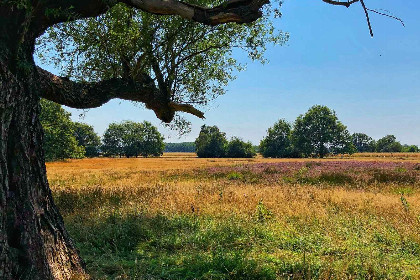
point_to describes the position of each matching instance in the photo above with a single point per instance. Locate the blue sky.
(373, 84)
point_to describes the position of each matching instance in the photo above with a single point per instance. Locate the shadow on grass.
(141, 247)
(181, 247)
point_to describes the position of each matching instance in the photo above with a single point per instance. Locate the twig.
(387, 15)
(367, 17)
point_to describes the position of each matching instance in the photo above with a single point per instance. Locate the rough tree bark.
(33, 241)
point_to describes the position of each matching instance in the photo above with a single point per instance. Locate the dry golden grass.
(172, 186)
(140, 180)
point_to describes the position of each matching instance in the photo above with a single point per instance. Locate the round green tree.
(319, 132)
(132, 139)
(151, 143)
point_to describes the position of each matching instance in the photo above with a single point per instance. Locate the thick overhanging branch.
(90, 95)
(239, 11)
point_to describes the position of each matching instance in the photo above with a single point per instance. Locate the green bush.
(236, 148)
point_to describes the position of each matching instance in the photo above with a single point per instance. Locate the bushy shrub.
(236, 148)
(410, 149)
(363, 143)
(211, 142)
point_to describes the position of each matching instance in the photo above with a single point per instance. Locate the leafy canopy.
(363, 143)
(188, 62)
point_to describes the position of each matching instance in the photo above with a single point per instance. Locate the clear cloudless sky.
(373, 84)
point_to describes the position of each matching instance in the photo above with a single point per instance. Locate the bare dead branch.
(367, 17)
(386, 15)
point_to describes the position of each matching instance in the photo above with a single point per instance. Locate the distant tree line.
(387, 144)
(316, 133)
(64, 138)
(184, 147)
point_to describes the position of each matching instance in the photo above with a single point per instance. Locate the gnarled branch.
(239, 11)
(90, 95)
(341, 3)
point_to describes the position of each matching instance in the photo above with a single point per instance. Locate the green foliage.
(363, 143)
(59, 130)
(211, 142)
(262, 212)
(236, 148)
(132, 139)
(112, 141)
(151, 142)
(319, 132)
(188, 62)
(277, 143)
(410, 149)
(184, 147)
(388, 144)
(87, 138)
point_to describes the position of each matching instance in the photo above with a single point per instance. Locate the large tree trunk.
(33, 241)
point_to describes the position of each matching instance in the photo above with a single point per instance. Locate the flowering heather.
(333, 172)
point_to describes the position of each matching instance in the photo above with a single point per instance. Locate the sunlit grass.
(181, 217)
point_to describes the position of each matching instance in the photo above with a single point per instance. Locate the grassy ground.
(179, 217)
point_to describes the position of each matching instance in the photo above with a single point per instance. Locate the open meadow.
(181, 217)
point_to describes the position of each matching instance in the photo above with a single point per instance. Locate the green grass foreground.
(259, 221)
